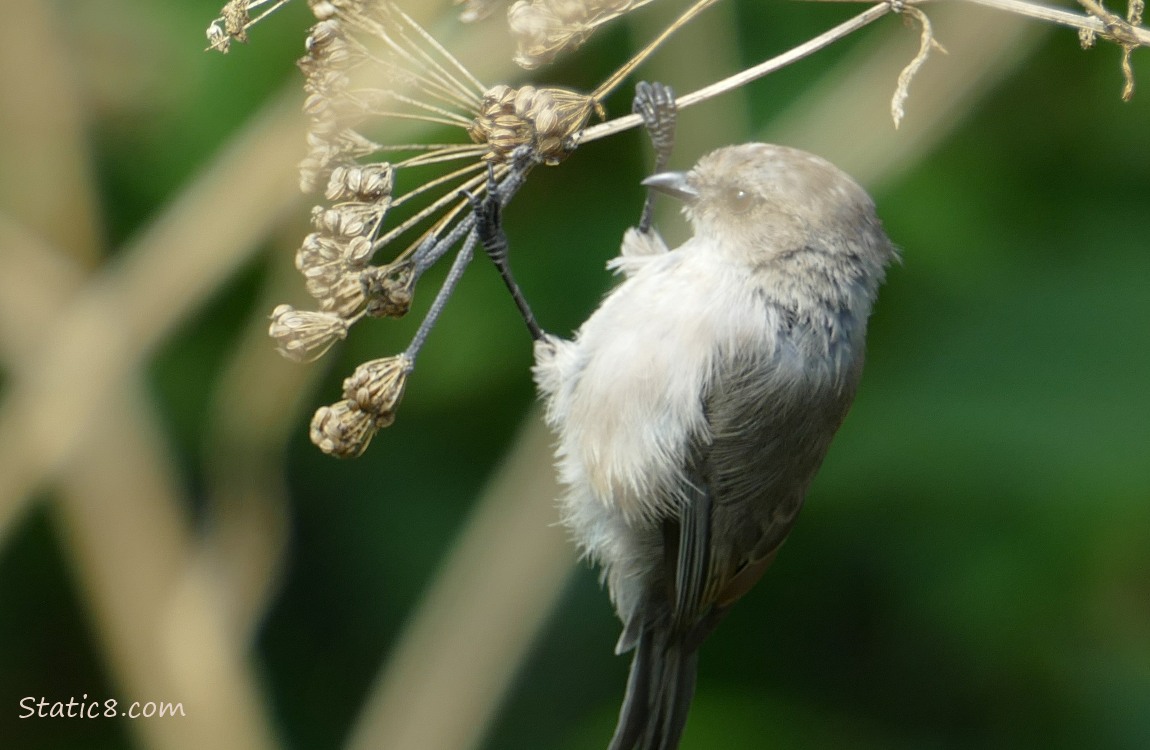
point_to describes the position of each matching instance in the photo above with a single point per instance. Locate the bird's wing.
(767, 442)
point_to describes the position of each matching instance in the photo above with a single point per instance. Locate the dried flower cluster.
(543, 118)
(235, 20)
(545, 28)
(369, 68)
(370, 397)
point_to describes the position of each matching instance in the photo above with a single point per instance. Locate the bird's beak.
(674, 184)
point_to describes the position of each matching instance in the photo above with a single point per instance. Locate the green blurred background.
(973, 566)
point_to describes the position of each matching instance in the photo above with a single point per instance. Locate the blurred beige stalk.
(74, 414)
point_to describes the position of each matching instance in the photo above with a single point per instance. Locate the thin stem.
(1059, 16)
(433, 184)
(252, 6)
(868, 16)
(403, 99)
(453, 154)
(453, 277)
(617, 77)
(460, 68)
(429, 86)
(452, 122)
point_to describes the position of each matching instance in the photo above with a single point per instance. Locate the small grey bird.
(696, 404)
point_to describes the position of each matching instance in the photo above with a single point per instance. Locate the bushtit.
(695, 405)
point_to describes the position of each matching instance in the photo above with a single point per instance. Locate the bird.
(696, 404)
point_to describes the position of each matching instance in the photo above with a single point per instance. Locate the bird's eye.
(738, 200)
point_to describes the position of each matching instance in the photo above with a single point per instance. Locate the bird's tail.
(659, 691)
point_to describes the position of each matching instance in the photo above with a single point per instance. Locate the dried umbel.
(361, 182)
(367, 67)
(377, 386)
(390, 289)
(343, 430)
(235, 20)
(302, 335)
(371, 396)
(543, 29)
(544, 118)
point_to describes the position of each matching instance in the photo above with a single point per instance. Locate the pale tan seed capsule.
(341, 430)
(359, 251)
(318, 250)
(331, 222)
(499, 93)
(343, 222)
(303, 335)
(543, 118)
(346, 296)
(322, 34)
(376, 387)
(523, 99)
(547, 122)
(324, 80)
(311, 170)
(365, 182)
(316, 104)
(339, 55)
(322, 9)
(321, 280)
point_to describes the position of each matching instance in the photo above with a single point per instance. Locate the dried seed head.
(343, 430)
(331, 144)
(235, 15)
(321, 35)
(376, 387)
(546, 28)
(302, 335)
(322, 80)
(218, 39)
(347, 220)
(323, 9)
(345, 296)
(235, 20)
(541, 34)
(390, 289)
(544, 118)
(326, 262)
(363, 182)
(312, 169)
(318, 250)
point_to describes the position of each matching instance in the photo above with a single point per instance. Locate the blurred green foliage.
(973, 567)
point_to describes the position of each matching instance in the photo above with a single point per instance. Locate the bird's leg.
(655, 103)
(489, 228)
